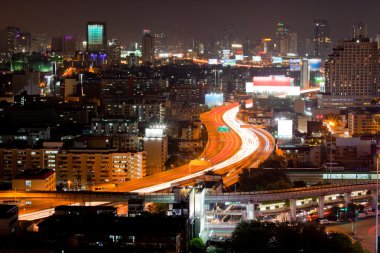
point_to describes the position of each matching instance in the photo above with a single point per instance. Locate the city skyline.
(251, 19)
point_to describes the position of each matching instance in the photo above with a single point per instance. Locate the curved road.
(255, 147)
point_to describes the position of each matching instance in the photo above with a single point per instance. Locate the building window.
(28, 183)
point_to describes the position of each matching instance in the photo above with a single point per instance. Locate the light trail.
(250, 144)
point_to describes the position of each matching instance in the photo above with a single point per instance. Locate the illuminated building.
(30, 180)
(286, 40)
(113, 126)
(70, 44)
(56, 44)
(156, 147)
(39, 42)
(86, 167)
(7, 39)
(23, 42)
(96, 36)
(322, 39)
(147, 47)
(227, 36)
(161, 43)
(114, 49)
(363, 122)
(351, 75)
(359, 30)
(14, 161)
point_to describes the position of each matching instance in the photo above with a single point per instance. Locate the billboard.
(295, 64)
(285, 128)
(256, 58)
(239, 57)
(273, 81)
(229, 62)
(214, 99)
(249, 87)
(154, 132)
(213, 61)
(315, 64)
(276, 60)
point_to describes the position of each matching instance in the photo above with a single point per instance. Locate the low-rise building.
(35, 180)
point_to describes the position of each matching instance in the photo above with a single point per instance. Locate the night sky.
(201, 19)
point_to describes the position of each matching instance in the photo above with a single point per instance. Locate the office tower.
(322, 39)
(147, 44)
(160, 42)
(377, 39)
(70, 43)
(22, 42)
(96, 36)
(227, 34)
(351, 74)
(7, 39)
(39, 42)
(114, 49)
(359, 30)
(56, 44)
(286, 40)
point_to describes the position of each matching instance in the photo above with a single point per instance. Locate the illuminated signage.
(214, 99)
(276, 60)
(256, 58)
(285, 128)
(154, 132)
(315, 64)
(295, 64)
(273, 81)
(213, 61)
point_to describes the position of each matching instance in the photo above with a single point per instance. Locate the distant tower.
(96, 36)
(322, 39)
(359, 30)
(227, 34)
(147, 43)
(286, 40)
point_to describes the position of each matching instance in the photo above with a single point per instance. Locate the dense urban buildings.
(167, 136)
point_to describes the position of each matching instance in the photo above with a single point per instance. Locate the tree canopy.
(264, 237)
(263, 179)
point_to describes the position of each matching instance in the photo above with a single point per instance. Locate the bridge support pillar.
(375, 199)
(347, 198)
(293, 209)
(251, 211)
(321, 207)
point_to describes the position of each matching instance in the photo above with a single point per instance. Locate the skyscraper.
(359, 30)
(286, 40)
(96, 36)
(70, 43)
(227, 34)
(322, 39)
(351, 74)
(161, 43)
(39, 42)
(147, 44)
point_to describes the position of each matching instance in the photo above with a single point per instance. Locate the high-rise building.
(227, 34)
(56, 44)
(7, 39)
(96, 36)
(351, 74)
(39, 42)
(359, 30)
(70, 44)
(147, 44)
(23, 42)
(114, 49)
(322, 39)
(160, 42)
(286, 40)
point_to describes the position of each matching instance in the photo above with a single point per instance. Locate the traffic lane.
(364, 231)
